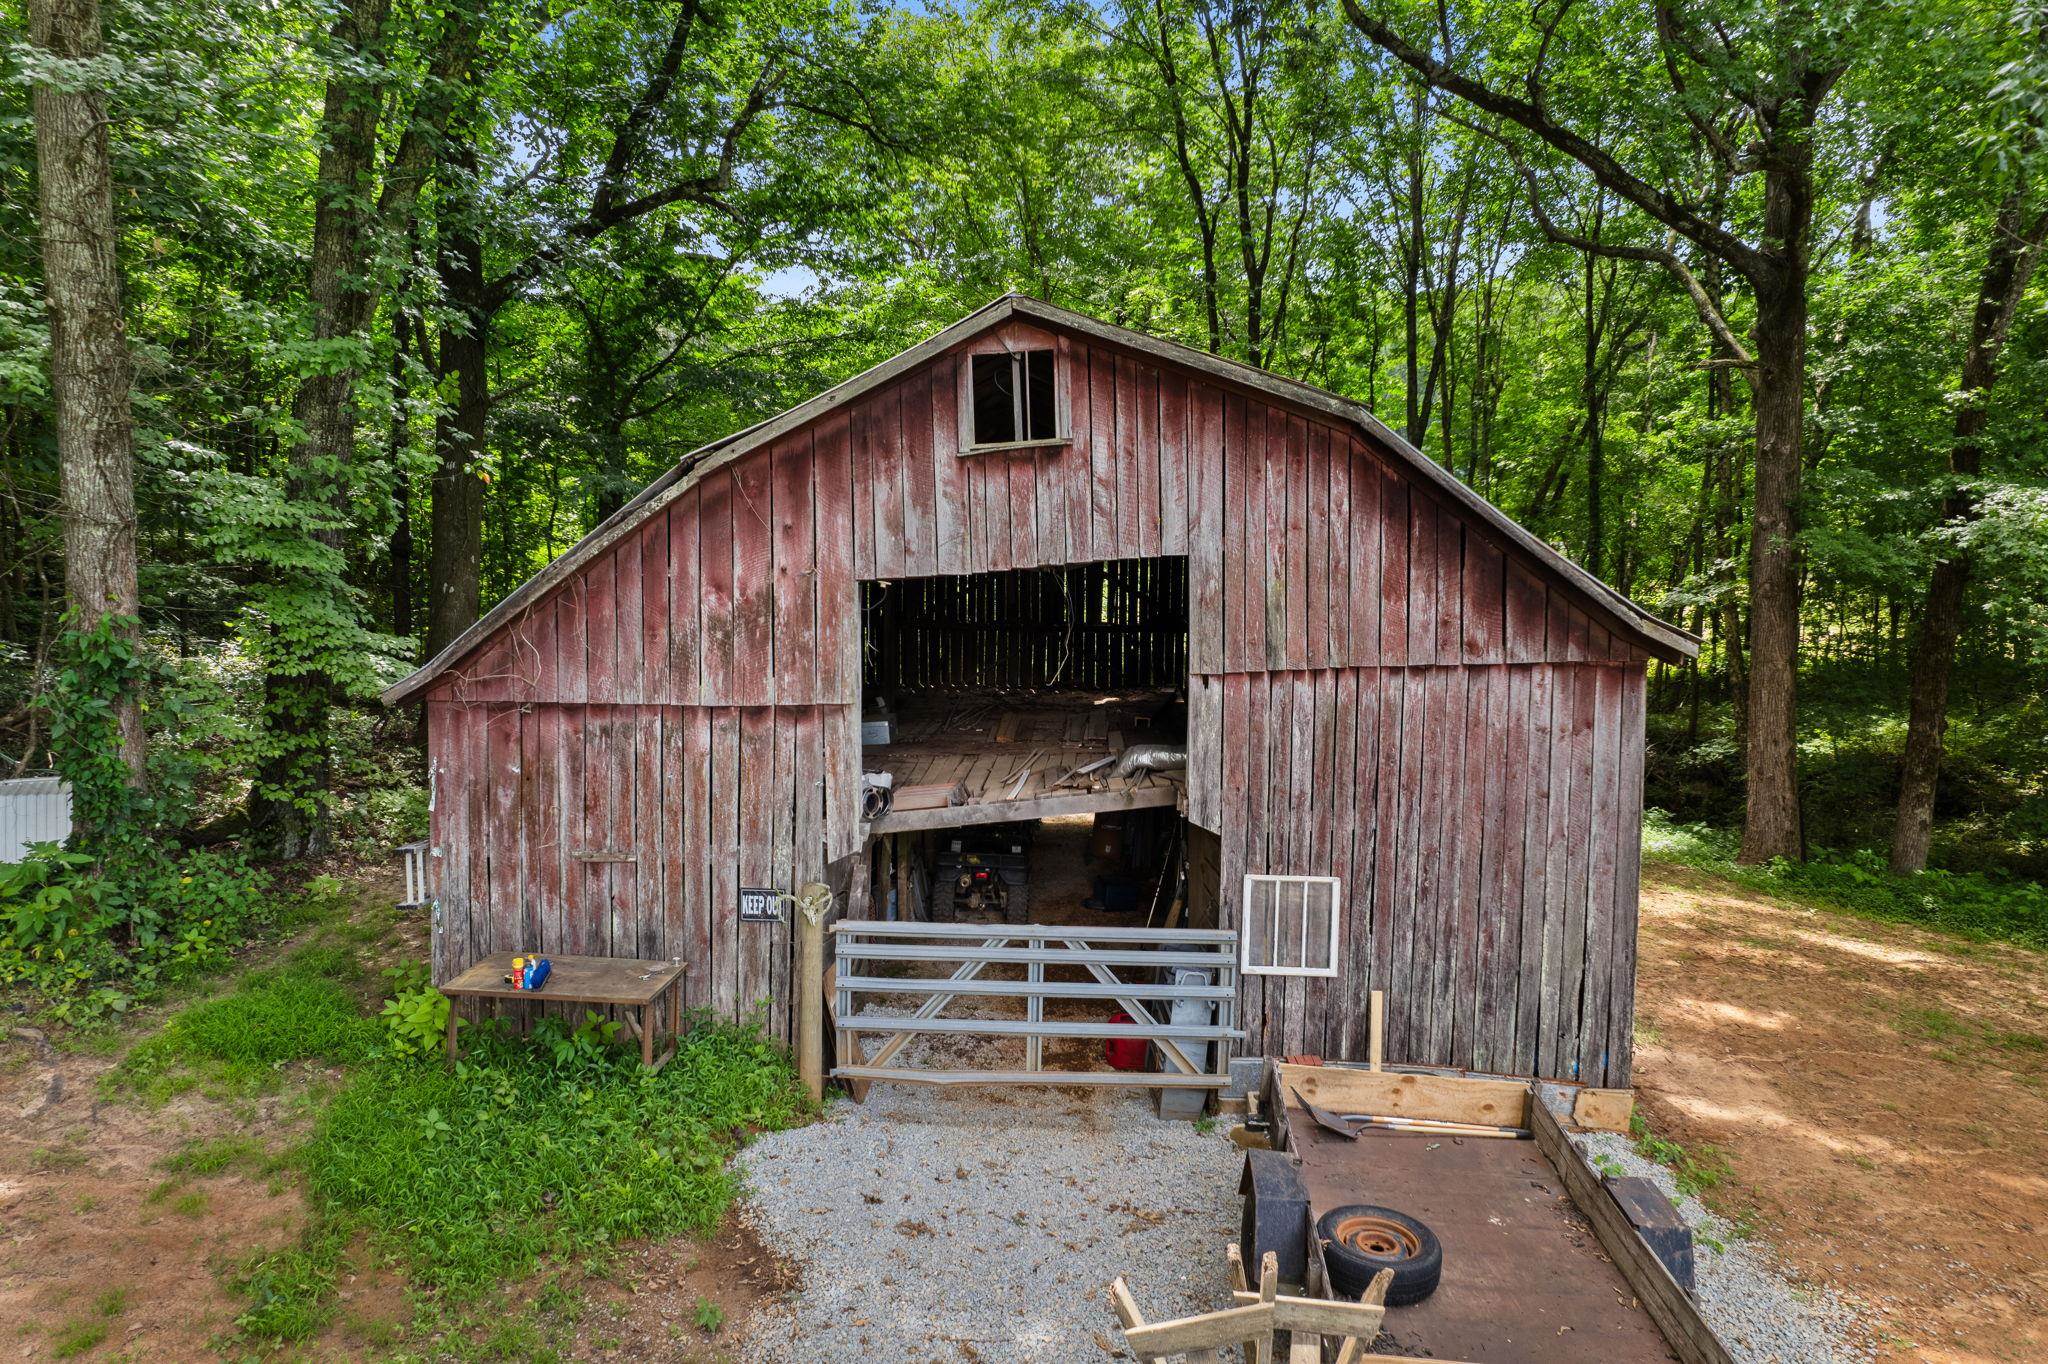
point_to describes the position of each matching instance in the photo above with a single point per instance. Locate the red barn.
(1027, 543)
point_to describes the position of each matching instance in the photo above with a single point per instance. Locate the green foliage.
(1970, 904)
(416, 1017)
(544, 1147)
(306, 1009)
(90, 935)
(1694, 1170)
(708, 1315)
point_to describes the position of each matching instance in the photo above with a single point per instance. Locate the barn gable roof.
(1657, 635)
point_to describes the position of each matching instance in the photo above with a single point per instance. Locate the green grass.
(549, 1147)
(1963, 1036)
(81, 1334)
(473, 1174)
(1972, 905)
(307, 1008)
(1694, 1170)
(217, 1155)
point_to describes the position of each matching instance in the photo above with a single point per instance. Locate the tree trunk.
(455, 560)
(399, 580)
(293, 775)
(90, 370)
(2008, 269)
(1771, 825)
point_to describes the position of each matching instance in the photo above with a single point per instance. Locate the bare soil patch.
(683, 1300)
(1880, 1093)
(92, 1219)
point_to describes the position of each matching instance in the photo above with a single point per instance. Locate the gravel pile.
(985, 1225)
(1750, 1299)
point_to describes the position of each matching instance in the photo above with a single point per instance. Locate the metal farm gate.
(1152, 975)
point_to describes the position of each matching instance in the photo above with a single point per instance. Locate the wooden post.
(813, 903)
(1376, 1043)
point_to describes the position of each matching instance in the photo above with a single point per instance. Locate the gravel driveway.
(984, 1225)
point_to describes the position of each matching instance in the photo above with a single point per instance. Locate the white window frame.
(1244, 926)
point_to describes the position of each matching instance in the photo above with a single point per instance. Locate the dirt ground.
(1880, 1094)
(106, 1254)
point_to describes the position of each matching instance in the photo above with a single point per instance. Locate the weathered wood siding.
(1483, 821)
(1380, 689)
(628, 830)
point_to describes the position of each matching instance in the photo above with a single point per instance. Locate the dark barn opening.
(1000, 706)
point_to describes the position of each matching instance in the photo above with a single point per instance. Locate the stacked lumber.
(929, 796)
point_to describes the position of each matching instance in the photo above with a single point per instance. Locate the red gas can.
(1125, 1053)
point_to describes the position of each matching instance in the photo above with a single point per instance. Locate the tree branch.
(1531, 117)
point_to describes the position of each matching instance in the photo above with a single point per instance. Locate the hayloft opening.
(1024, 743)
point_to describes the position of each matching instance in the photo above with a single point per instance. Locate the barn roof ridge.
(689, 469)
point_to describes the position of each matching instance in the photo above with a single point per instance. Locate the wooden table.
(622, 982)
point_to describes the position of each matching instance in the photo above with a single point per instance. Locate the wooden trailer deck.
(1017, 755)
(1540, 1267)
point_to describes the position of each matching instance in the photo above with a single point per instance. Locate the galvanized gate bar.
(1094, 952)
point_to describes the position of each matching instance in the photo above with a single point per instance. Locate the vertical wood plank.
(1102, 454)
(1603, 855)
(1238, 582)
(920, 475)
(861, 468)
(884, 431)
(1628, 842)
(722, 909)
(794, 603)
(838, 593)
(1076, 462)
(949, 470)
(1395, 534)
(753, 539)
(1176, 448)
(1205, 534)
(1485, 571)
(630, 620)
(601, 629)
(715, 582)
(656, 685)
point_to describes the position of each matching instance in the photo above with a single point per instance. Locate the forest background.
(324, 323)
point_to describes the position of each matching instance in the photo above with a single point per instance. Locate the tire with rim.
(1361, 1239)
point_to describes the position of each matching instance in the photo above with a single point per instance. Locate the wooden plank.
(1176, 453)
(629, 619)
(949, 471)
(1364, 567)
(759, 798)
(753, 532)
(1330, 648)
(1627, 881)
(1424, 580)
(1146, 456)
(601, 629)
(1395, 1094)
(1075, 463)
(1507, 838)
(1667, 1303)
(1009, 811)
(698, 840)
(1391, 939)
(1524, 614)
(1394, 536)
(1602, 856)
(884, 429)
(723, 854)
(1535, 758)
(501, 830)
(1279, 518)
(1238, 581)
(1305, 578)
(794, 541)
(1604, 1110)
(715, 582)
(861, 471)
(1579, 837)
(683, 599)
(672, 854)
(1124, 470)
(1450, 598)
(838, 627)
(920, 474)
(1205, 536)
(1484, 604)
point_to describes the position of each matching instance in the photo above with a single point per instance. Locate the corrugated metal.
(32, 810)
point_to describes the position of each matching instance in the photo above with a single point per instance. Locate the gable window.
(1013, 398)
